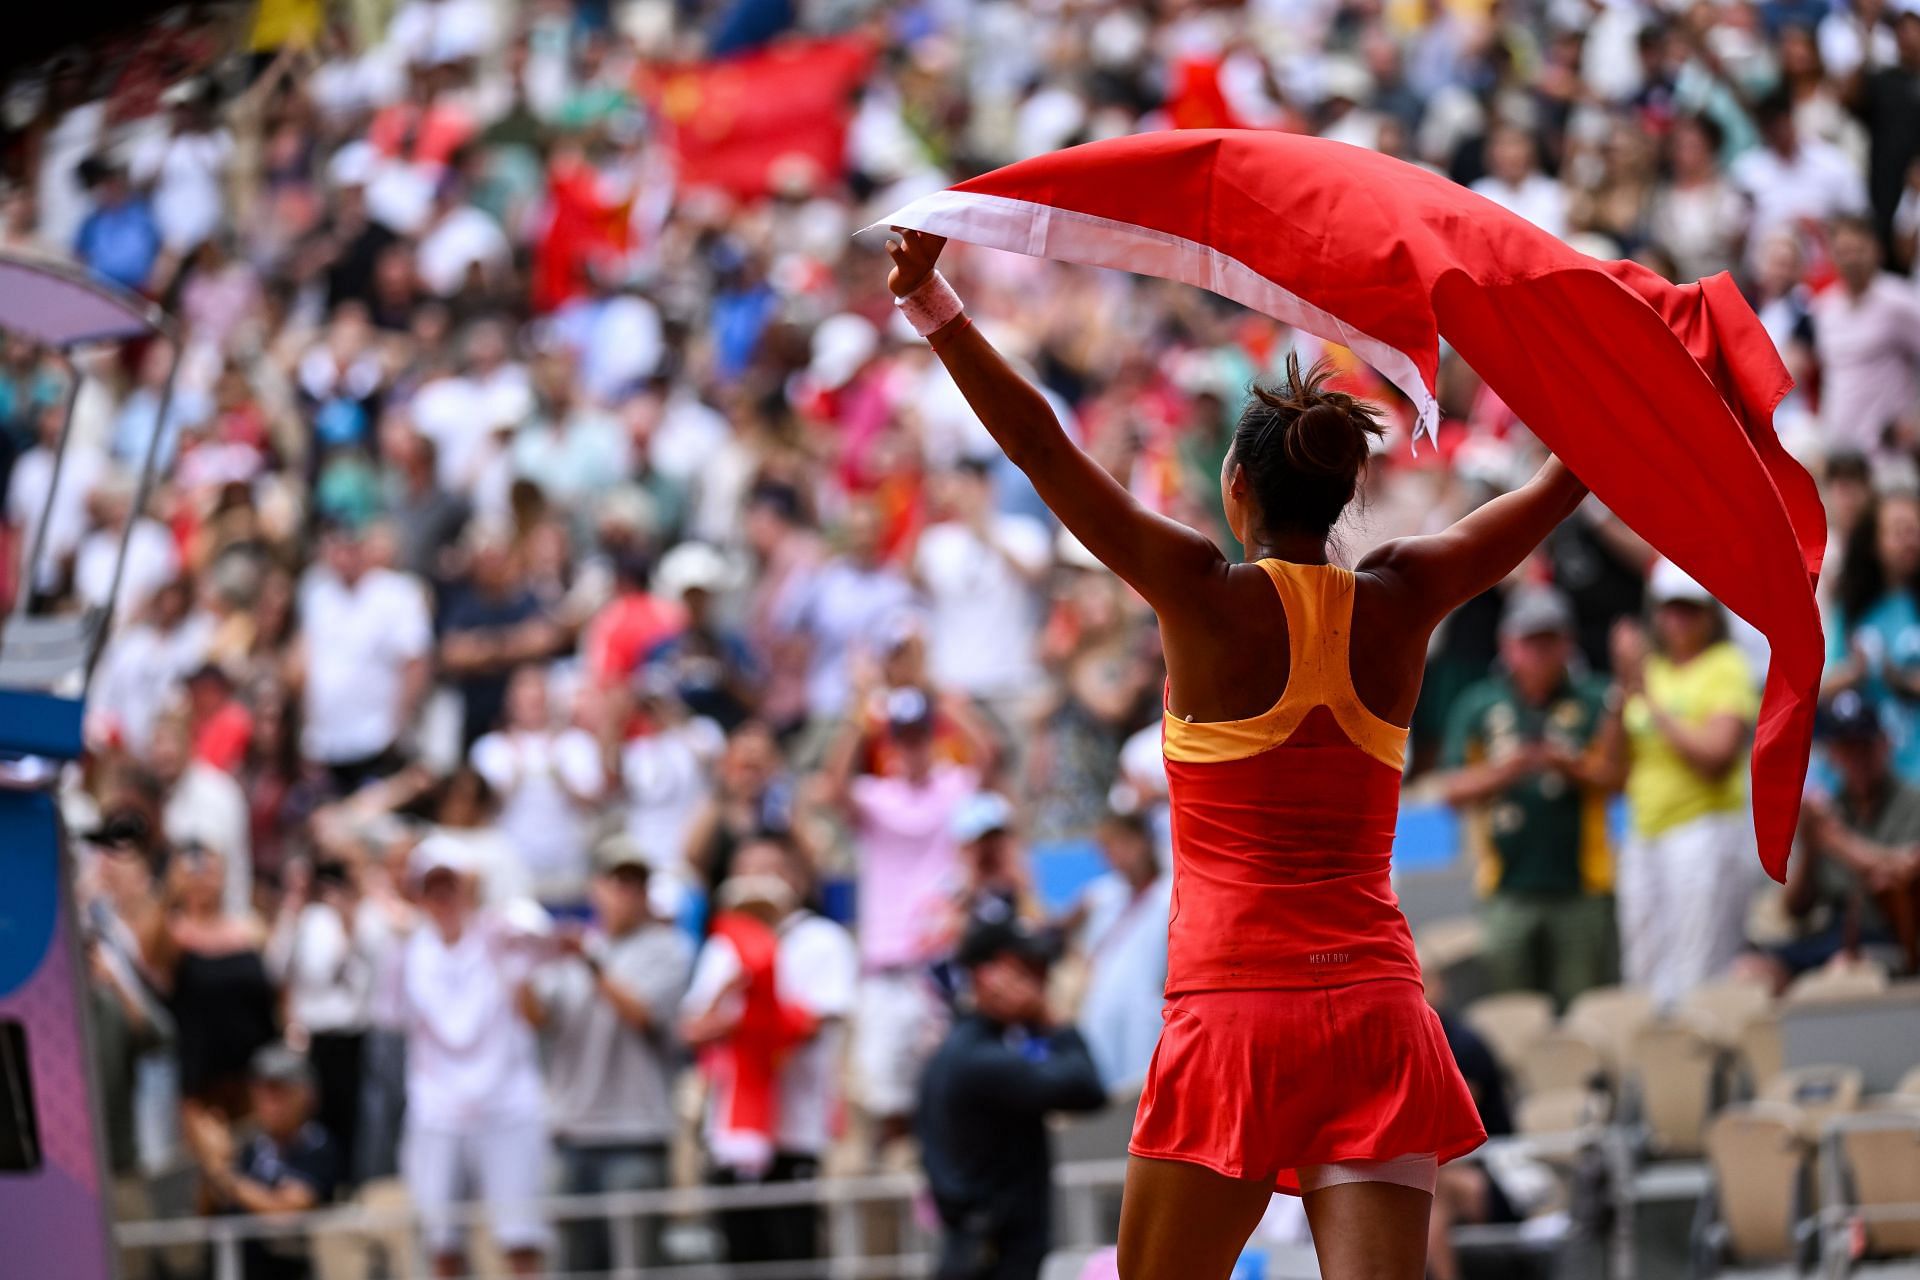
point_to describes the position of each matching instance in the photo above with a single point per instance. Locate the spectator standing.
(1123, 930)
(145, 664)
(1873, 635)
(983, 1105)
(205, 806)
(209, 963)
(847, 603)
(492, 624)
(664, 758)
(119, 239)
(366, 647)
(476, 1115)
(1887, 100)
(1866, 330)
(321, 956)
(1855, 876)
(1535, 755)
(1796, 184)
(907, 864)
(548, 780)
(607, 1007)
(287, 1164)
(788, 554)
(1515, 183)
(1689, 703)
(980, 569)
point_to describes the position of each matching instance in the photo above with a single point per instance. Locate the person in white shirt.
(145, 666)
(816, 975)
(476, 1110)
(547, 781)
(153, 560)
(1866, 330)
(1516, 185)
(365, 639)
(666, 773)
(31, 491)
(459, 240)
(187, 167)
(981, 571)
(1123, 931)
(1795, 183)
(204, 806)
(320, 952)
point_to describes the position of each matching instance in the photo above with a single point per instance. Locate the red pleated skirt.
(1257, 1084)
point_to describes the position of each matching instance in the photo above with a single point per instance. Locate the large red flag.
(1659, 397)
(736, 124)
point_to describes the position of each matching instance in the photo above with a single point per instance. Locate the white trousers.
(1682, 900)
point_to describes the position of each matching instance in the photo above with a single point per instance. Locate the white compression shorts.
(1419, 1172)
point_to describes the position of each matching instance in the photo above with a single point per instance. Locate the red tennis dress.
(1297, 1028)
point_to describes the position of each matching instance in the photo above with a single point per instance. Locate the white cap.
(841, 345)
(437, 853)
(980, 813)
(1670, 584)
(690, 566)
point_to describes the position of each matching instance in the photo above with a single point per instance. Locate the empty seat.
(1510, 1023)
(1880, 1165)
(1909, 1086)
(1560, 1060)
(1558, 1111)
(1818, 1093)
(1761, 1049)
(1758, 1153)
(1610, 1017)
(1723, 1009)
(1675, 1069)
(1856, 981)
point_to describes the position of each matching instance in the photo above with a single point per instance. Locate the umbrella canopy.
(60, 306)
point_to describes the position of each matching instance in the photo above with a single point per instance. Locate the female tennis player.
(1299, 1053)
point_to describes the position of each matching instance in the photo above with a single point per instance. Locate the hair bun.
(1328, 437)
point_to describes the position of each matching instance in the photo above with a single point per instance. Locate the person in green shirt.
(1532, 756)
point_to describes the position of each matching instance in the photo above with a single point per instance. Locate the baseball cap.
(1670, 584)
(987, 939)
(1848, 717)
(980, 814)
(908, 711)
(120, 829)
(618, 851)
(436, 853)
(279, 1064)
(1536, 611)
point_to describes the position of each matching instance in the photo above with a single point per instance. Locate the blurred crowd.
(577, 632)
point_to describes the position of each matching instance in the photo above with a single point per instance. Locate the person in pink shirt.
(907, 863)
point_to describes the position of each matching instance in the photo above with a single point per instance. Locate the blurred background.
(562, 553)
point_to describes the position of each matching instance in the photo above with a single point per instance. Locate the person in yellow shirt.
(1688, 699)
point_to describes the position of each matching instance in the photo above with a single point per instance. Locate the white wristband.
(931, 305)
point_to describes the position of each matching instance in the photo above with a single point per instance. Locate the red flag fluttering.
(742, 124)
(1660, 397)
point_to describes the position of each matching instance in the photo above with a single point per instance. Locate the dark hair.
(1863, 578)
(1776, 107)
(1302, 448)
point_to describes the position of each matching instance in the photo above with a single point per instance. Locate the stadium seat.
(1853, 983)
(1610, 1017)
(1909, 1086)
(1759, 1156)
(1879, 1155)
(1761, 1051)
(1551, 1111)
(1675, 1071)
(1510, 1023)
(1560, 1060)
(1818, 1093)
(1099, 1135)
(1723, 1009)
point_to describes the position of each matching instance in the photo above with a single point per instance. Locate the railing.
(842, 1201)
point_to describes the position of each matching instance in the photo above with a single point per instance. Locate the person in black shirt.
(983, 1106)
(286, 1165)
